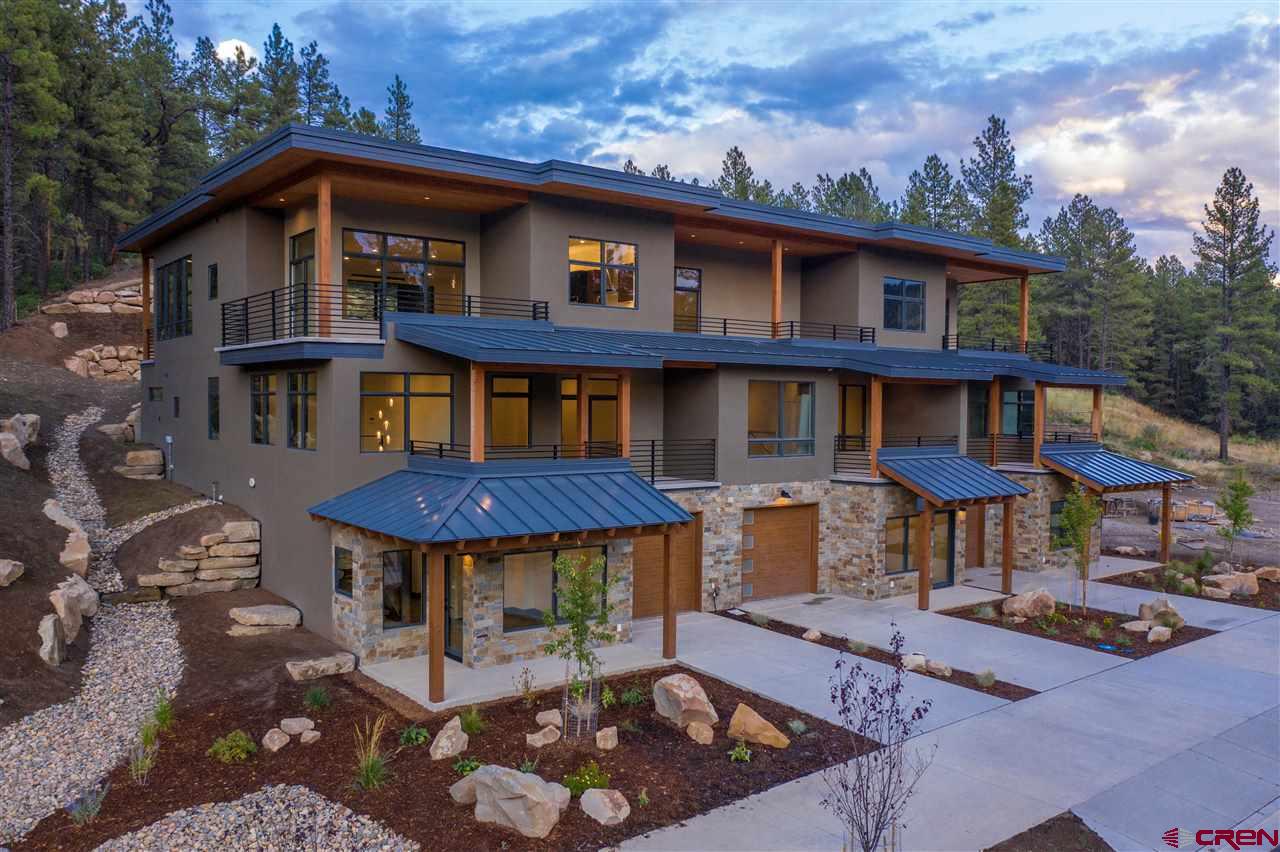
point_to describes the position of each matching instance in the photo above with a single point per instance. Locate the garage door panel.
(778, 551)
(686, 570)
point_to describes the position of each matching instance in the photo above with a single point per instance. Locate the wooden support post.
(436, 628)
(328, 307)
(1095, 420)
(777, 287)
(1037, 435)
(1006, 546)
(668, 601)
(1166, 521)
(1024, 311)
(584, 416)
(876, 430)
(478, 411)
(624, 414)
(924, 557)
(994, 410)
(147, 333)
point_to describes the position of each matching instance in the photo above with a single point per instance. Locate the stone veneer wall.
(357, 620)
(1032, 549)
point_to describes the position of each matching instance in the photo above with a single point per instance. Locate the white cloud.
(226, 48)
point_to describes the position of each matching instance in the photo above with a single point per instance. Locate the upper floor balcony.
(1035, 350)
(783, 329)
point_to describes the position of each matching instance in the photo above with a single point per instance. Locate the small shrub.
(1123, 641)
(317, 698)
(142, 759)
(607, 698)
(642, 798)
(85, 809)
(528, 765)
(740, 753)
(149, 733)
(629, 725)
(472, 722)
(466, 765)
(414, 735)
(588, 776)
(162, 713)
(985, 611)
(857, 646)
(986, 678)
(798, 727)
(371, 762)
(759, 619)
(1093, 632)
(1108, 622)
(1164, 618)
(235, 747)
(634, 696)
(524, 685)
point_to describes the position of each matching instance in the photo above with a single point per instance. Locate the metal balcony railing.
(1035, 350)
(853, 452)
(735, 327)
(1019, 447)
(454, 450)
(667, 459)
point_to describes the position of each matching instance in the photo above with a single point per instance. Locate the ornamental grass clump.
(371, 761)
(317, 698)
(986, 678)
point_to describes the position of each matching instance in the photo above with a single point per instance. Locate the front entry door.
(453, 609)
(942, 569)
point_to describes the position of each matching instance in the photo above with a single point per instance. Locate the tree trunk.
(8, 288)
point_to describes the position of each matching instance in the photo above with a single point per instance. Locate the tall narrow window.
(173, 299)
(602, 414)
(262, 408)
(302, 256)
(401, 589)
(779, 418)
(977, 415)
(177, 407)
(213, 281)
(602, 273)
(1018, 416)
(509, 411)
(397, 408)
(903, 304)
(215, 414)
(853, 419)
(302, 410)
(343, 571)
(688, 299)
(569, 412)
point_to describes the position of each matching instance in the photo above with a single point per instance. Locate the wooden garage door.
(686, 568)
(779, 551)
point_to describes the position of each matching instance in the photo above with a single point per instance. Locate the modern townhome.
(429, 372)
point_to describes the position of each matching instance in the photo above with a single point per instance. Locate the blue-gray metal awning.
(444, 500)
(1099, 469)
(944, 477)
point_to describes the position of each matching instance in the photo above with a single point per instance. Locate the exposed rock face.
(749, 725)
(546, 736)
(277, 615)
(10, 571)
(321, 666)
(700, 732)
(607, 738)
(11, 451)
(549, 717)
(274, 740)
(517, 800)
(1236, 585)
(53, 646)
(104, 361)
(1032, 604)
(450, 741)
(607, 807)
(681, 699)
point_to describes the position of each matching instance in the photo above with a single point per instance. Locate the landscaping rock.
(511, 799)
(308, 737)
(53, 645)
(545, 737)
(1214, 593)
(212, 538)
(275, 615)
(253, 629)
(241, 531)
(1139, 626)
(1269, 572)
(321, 666)
(144, 458)
(203, 587)
(1237, 585)
(607, 807)
(1223, 568)
(749, 725)
(607, 738)
(1129, 550)
(1159, 634)
(813, 634)
(58, 329)
(236, 548)
(171, 566)
(295, 725)
(938, 668)
(165, 578)
(451, 740)
(915, 662)
(249, 572)
(1032, 604)
(1148, 610)
(700, 732)
(223, 563)
(53, 511)
(11, 451)
(77, 365)
(75, 554)
(274, 740)
(73, 600)
(10, 571)
(549, 717)
(1169, 618)
(193, 552)
(24, 427)
(680, 699)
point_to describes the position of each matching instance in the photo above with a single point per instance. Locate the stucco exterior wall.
(873, 266)
(830, 292)
(739, 284)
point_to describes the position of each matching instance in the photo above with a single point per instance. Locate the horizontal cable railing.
(978, 448)
(675, 459)
(453, 450)
(735, 327)
(1035, 350)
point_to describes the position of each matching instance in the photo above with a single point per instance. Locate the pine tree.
(319, 98)
(737, 178)
(850, 196)
(364, 121)
(397, 122)
(243, 106)
(1167, 377)
(1233, 260)
(630, 168)
(278, 75)
(203, 72)
(662, 171)
(796, 198)
(935, 199)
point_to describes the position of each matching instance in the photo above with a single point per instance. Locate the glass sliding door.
(453, 607)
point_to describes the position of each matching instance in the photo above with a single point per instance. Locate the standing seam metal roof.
(1110, 470)
(946, 475)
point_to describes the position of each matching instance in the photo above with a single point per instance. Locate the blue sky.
(1140, 105)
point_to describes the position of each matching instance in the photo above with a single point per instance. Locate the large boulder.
(1237, 585)
(1269, 572)
(512, 799)
(236, 548)
(53, 511)
(1032, 604)
(53, 645)
(1148, 610)
(319, 667)
(10, 571)
(607, 807)
(451, 741)
(681, 699)
(75, 553)
(1159, 634)
(11, 451)
(749, 725)
(241, 531)
(24, 427)
(162, 579)
(275, 615)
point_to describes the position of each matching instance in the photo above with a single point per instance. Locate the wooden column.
(1006, 546)
(1166, 521)
(1037, 435)
(924, 556)
(147, 334)
(435, 626)
(478, 411)
(329, 307)
(1024, 311)
(668, 601)
(584, 415)
(777, 287)
(876, 430)
(1095, 420)
(994, 411)
(624, 413)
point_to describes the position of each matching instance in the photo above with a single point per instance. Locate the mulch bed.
(1065, 832)
(139, 554)
(680, 778)
(1070, 626)
(969, 680)
(1268, 596)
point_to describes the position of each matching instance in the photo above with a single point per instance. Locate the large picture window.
(529, 585)
(414, 274)
(602, 273)
(779, 418)
(262, 409)
(401, 589)
(1018, 412)
(901, 535)
(302, 410)
(903, 304)
(173, 299)
(396, 408)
